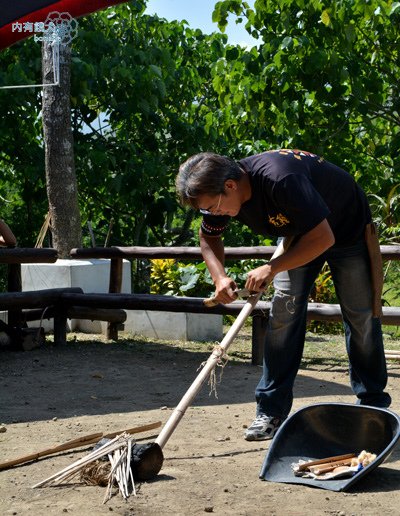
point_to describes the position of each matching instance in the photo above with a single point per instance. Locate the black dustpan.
(326, 430)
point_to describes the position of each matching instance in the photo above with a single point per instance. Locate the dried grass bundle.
(96, 474)
(119, 453)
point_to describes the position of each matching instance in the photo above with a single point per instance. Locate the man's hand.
(307, 248)
(224, 290)
(259, 278)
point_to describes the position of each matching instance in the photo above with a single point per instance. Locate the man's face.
(226, 203)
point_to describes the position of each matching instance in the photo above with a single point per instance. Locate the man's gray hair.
(204, 174)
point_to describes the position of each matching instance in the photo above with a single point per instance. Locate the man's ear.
(230, 184)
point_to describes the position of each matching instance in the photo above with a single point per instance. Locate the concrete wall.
(173, 325)
(90, 275)
(93, 276)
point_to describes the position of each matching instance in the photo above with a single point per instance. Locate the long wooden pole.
(213, 360)
(76, 443)
(389, 252)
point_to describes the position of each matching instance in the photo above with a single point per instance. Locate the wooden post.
(60, 326)
(60, 322)
(14, 285)
(114, 288)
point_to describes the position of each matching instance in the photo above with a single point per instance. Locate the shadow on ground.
(97, 378)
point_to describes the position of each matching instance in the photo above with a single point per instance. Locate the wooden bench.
(316, 311)
(49, 303)
(42, 301)
(67, 303)
(151, 302)
(14, 257)
(28, 306)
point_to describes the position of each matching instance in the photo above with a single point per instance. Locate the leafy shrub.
(391, 291)
(386, 213)
(324, 289)
(170, 277)
(175, 278)
(324, 292)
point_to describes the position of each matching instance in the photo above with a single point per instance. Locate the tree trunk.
(62, 191)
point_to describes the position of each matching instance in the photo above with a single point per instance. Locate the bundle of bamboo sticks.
(77, 443)
(118, 451)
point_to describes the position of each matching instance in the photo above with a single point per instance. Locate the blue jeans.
(284, 340)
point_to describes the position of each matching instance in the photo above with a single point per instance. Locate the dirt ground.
(53, 394)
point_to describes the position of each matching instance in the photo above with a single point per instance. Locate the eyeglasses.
(213, 211)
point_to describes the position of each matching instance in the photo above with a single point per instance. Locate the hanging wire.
(61, 28)
(56, 71)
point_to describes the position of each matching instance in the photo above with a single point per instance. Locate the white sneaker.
(262, 428)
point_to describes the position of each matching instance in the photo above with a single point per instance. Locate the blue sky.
(198, 14)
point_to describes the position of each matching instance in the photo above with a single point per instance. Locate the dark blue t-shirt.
(293, 191)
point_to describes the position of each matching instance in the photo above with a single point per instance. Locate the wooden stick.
(211, 363)
(329, 466)
(76, 443)
(326, 460)
(214, 358)
(134, 430)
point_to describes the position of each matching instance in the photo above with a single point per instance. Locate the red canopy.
(17, 16)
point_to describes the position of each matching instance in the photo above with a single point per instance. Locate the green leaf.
(325, 18)
(232, 54)
(395, 8)
(156, 70)
(287, 42)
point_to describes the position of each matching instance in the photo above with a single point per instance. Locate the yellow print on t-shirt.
(278, 221)
(297, 153)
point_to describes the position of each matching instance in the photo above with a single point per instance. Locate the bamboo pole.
(212, 361)
(214, 358)
(74, 443)
(77, 443)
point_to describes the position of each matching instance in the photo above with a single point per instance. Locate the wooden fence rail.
(20, 255)
(389, 252)
(118, 254)
(109, 306)
(260, 314)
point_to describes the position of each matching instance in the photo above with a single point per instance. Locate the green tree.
(147, 93)
(22, 184)
(324, 77)
(149, 82)
(141, 89)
